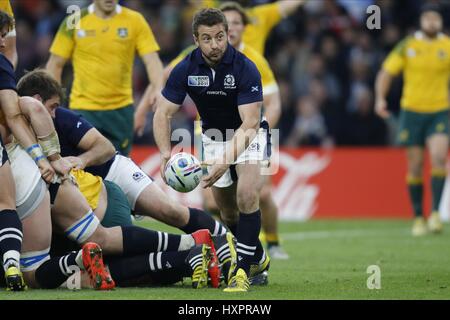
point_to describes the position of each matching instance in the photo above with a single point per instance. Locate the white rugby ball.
(183, 172)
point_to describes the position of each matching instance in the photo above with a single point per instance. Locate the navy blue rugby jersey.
(217, 92)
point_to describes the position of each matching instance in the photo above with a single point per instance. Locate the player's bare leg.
(438, 148)
(209, 204)
(269, 220)
(415, 156)
(153, 202)
(41, 271)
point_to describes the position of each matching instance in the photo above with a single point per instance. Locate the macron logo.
(79, 124)
(255, 89)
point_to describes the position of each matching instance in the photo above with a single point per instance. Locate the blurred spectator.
(323, 53)
(309, 128)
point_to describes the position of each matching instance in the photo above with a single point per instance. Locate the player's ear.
(38, 97)
(195, 39)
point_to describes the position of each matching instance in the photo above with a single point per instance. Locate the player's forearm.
(146, 100)
(155, 72)
(382, 84)
(21, 130)
(161, 132)
(272, 108)
(98, 154)
(55, 66)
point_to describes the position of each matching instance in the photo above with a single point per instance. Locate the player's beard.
(214, 57)
(431, 33)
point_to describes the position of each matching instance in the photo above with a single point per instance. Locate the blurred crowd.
(324, 57)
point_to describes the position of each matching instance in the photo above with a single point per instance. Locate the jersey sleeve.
(268, 15)
(145, 42)
(395, 61)
(7, 75)
(249, 86)
(71, 125)
(5, 5)
(64, 42)
(175, 89)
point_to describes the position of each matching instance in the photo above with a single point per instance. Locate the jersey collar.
(419, 35)
(91, 8)
(227, 57)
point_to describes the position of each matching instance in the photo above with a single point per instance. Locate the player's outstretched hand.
(381, 108)
(75, 163)
(47, 171)
(164, 160)
(218, 168)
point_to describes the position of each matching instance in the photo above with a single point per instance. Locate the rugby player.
(86, 148)
(156, 242)
(226, 88)
(11, 120)
(424, 59)
(102, 52)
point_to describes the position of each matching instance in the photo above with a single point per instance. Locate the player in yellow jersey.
(102, 51)
(10, 50)
(424, 59)
(264, 18)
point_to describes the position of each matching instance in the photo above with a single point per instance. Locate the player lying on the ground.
(116, 211)
(152, 241)
(11, 120)
(33, 208)
(87, 149)
(112, 209)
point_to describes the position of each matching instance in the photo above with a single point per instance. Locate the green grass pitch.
(328, 260)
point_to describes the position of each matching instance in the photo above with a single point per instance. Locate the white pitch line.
(352, 233)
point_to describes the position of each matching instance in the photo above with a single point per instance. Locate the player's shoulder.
(64, 114)
(130, 14)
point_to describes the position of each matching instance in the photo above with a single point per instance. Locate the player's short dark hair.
(434, 7)
(40, 82)
(234, 6)
(6, 21)
(208, 17)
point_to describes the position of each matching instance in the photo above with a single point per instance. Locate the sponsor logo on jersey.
(217, 93)
(198, 81)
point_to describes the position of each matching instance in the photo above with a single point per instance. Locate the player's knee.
(248, 200)
(175, 214)
(438, 161)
